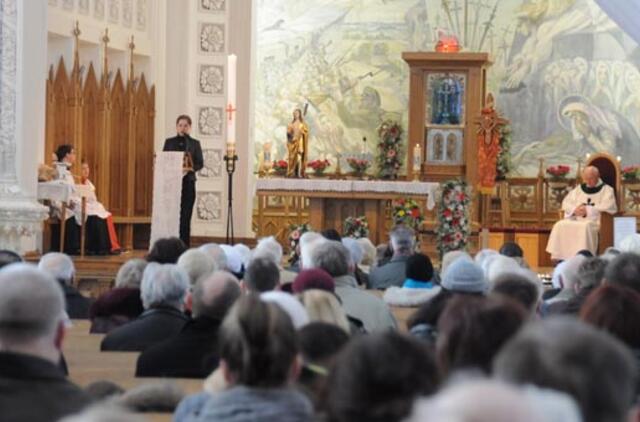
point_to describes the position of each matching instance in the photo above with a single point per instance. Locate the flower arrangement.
(631, 173)
(358, 165)
(389, 158)
(504, 164)
(280, 166)
(558, 172)
(294, 238)
(318, 166)
(453, 217)
(407, 211)
(356, 227)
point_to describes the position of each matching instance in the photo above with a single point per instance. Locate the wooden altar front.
(325, 204)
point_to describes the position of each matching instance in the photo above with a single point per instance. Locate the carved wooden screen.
(110, 123)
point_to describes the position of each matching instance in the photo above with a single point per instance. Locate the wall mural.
(564, 73)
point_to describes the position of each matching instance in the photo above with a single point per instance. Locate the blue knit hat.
(464, 276)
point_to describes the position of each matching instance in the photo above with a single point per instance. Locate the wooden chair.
(610, 174)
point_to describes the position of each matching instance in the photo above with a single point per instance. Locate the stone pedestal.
(23, 44)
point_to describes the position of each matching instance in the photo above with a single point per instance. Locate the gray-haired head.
(58, 266)
(566, 355)
(333, 257)
(216, 253)
(624, 269)
(631, 243)
(403, 240)
(130, 273)
(163, 285)
(309, 241)
(591, 273)
(268, 247)
(355, 250)
(215, 294)
(196, 264)
(31, 310)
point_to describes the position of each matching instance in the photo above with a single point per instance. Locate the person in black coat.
(163, 291)
(32, 386)
(183, 142)
(193, 352)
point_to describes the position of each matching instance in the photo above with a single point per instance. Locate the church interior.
(212, 141)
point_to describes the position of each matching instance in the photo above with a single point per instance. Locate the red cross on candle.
(230, 110)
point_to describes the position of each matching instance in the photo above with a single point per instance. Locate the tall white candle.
(231, 99)
(417, 157)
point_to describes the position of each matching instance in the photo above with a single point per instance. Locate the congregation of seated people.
(342, 331)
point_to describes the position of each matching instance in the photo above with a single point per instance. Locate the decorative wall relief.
(114, 11)
(127, 13)
(84, 7)
(98, 9)
(141, 15)
(210, 121)
(214, 6)
(208, 206)
(211, 79)
(211, 38)
(212, 164)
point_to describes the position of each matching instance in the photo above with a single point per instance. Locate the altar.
(327, 203)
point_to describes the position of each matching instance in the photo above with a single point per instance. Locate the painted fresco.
(564, 74)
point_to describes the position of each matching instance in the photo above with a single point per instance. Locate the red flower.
(447, 212)
(415, 213)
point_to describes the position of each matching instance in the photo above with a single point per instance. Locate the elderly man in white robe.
(582, 208)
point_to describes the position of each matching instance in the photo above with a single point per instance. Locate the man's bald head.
(214, 295)
(31, 306)
(590, 176)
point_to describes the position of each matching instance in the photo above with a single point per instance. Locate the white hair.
(130, 273)
(476, 401)
(244, 252)
(31, 305)
(309, 241)
(270, 248)
(569, 271)
(497, 265)
(58, 265)
(163, 284)
(216, 253)
(105, 412)
(368, 251)
(482, 256)
(355, 250)
(631, 243)
(196, 264)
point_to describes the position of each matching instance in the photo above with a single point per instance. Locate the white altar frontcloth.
(378, 186)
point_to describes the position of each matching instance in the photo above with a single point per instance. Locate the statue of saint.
(297, 145)
(489, 124)
(447, 101)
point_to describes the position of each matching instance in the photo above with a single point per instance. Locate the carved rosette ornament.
(20, 216)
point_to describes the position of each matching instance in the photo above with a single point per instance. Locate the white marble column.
(23, 44)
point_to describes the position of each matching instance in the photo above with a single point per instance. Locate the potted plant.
(280, 167)
(558, 176)
(318, 166)
(630, 174)
(359, 166)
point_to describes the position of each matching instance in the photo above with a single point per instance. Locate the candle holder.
(230, 159)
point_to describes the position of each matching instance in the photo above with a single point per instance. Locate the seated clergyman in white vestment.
(582, 207)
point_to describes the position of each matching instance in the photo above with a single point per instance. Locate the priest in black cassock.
(193, 163)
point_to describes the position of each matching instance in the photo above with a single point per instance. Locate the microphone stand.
(230, 159)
